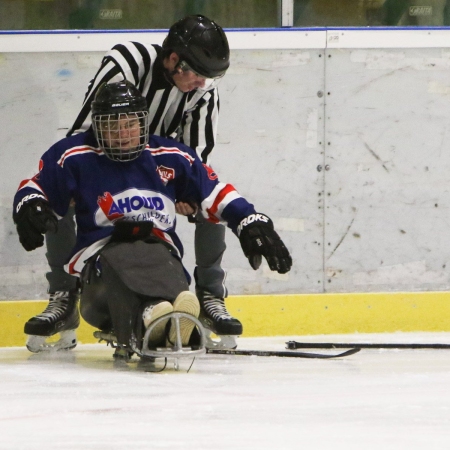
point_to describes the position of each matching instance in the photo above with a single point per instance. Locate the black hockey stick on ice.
(281, 353)
(293, 345)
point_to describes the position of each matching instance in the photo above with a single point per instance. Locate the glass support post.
(287, 13)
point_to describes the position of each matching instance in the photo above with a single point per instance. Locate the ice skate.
(60, 316)
(216, 319)
(219, 342)
(67, 340)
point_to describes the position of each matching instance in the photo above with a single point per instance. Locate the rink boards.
(290, 315)
(346, 151)
(360, 133)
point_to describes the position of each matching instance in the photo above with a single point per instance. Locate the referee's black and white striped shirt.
(190, 118)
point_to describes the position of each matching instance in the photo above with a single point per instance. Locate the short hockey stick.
(281, 353)
(293, 345)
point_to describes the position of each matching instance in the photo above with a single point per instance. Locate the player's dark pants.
(59, 247)
(209, 249)
(119, 282)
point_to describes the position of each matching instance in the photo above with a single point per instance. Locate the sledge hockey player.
(125, 185)
(179, 81)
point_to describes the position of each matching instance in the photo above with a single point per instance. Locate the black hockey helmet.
(120, 120)
(200, 42)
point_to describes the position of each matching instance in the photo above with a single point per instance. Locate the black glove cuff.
(28, 201)
(253, 220)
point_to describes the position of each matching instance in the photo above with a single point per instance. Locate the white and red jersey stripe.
(172, 151)
(221, 196)
(76, 151)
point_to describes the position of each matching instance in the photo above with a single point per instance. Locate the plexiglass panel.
(132, 14)
(354, 13)
(157, 14)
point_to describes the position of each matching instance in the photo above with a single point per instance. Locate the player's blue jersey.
(145, 189)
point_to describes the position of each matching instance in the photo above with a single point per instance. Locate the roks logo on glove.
(251, 219)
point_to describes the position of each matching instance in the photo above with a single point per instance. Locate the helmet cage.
(122, 136)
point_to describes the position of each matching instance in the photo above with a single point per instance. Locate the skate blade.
(221, 342)
(67, 341)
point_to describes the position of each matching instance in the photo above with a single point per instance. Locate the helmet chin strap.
(170, 73)
(168, 77)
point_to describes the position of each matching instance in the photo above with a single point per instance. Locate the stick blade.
(288, 354)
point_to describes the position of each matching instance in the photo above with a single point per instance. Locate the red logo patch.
(211, 174)
(166, 173)
(109, 207)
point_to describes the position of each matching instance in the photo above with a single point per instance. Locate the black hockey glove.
(258, 238)
(131, 231)
(33, 218)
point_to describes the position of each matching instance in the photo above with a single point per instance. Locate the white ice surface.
(375, 399)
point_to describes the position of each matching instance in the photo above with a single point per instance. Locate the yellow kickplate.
(14, 314)
(309, 314)
(289, 315)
